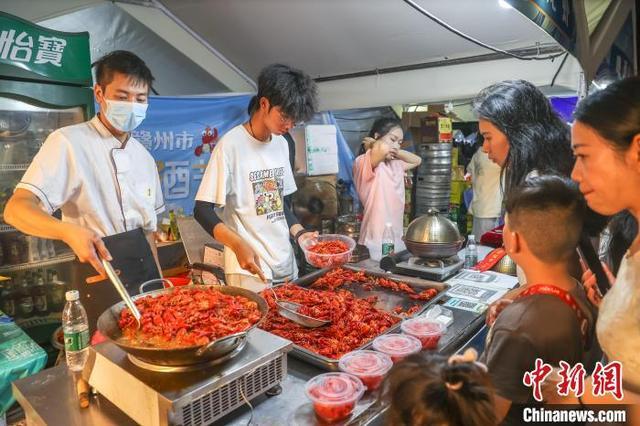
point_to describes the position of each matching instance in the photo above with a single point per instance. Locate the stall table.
(49, 397)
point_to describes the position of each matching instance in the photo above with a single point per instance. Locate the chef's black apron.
(132, 256)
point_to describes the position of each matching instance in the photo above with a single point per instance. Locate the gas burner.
(194, 395)
(431, 269)
(359, 254)
(433, 263)
(185, 368)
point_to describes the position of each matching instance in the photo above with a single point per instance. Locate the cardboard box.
(436, 129)
(321, 149)
(432, 126)
(413, 119)
(429, 129)
(411, 123)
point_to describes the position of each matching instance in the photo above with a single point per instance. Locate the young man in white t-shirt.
(241, 198)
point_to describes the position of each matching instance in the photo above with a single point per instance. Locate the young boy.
(550, 317)
(247, 178)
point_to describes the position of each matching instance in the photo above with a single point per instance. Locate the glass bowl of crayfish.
(328, 250)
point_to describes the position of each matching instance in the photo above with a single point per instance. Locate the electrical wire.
(247, 402)
(474, 40)
(553, 80)
(373, 117)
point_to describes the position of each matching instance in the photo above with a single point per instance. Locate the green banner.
(54, 55)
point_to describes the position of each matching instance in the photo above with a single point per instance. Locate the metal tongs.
(115, 280)
(289, 310)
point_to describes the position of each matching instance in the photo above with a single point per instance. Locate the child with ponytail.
(430, 389)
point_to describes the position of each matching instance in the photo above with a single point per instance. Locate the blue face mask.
(125, 116)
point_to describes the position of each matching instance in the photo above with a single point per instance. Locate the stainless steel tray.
(387, 300)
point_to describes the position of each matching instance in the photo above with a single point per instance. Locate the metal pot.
(441, 161)
(433, 236)
(434, 250)
(506, 265)
(433, 190)
(108, 326)
(443, 179)
(430, 147)
(438, 170)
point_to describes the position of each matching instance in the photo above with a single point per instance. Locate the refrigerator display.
(45, 84)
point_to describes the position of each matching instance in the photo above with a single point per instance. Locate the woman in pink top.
(378, 173)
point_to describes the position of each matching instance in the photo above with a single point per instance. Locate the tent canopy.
(364, 52)
(336, 37)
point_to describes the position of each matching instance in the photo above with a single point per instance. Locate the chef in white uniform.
(104, 182)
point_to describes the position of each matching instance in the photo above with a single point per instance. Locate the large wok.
(108, 326)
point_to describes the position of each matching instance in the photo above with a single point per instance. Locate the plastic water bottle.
(75, 326)
(388, 240)
(471, 252)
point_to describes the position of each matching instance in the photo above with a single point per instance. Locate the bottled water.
(388, 240)
(76, 331)
(471, 252)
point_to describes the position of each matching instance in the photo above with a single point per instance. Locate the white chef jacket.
(96, 181)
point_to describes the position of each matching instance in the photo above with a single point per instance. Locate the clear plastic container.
(334, 395)
(397, 346)
(428, 331)
(368, 366)
(327, 260)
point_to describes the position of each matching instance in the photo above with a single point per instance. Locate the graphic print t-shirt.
(248, 179)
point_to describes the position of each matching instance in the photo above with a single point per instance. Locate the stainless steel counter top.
(49, 397)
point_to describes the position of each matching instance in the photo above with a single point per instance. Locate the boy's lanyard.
(562, 295)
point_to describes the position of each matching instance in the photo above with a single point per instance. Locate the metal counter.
(49, 397)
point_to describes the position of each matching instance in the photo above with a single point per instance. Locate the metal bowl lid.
(432, 228)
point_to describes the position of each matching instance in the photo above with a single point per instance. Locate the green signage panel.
(54, 55)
